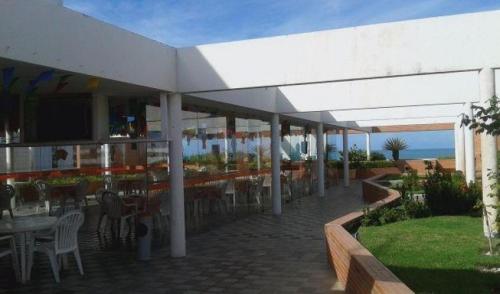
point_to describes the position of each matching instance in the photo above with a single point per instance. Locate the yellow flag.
(93, 83)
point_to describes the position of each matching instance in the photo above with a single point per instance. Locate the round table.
(23, 227)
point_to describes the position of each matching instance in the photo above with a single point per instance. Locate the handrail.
(85, 142)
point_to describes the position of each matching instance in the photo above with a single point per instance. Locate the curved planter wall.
(356, 268)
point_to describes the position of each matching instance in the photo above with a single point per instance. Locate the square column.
(100, 109)
(470, 164)
(459, 147)
(320, 145)
(488, 156)
(177, 218)
(345, 151)
(276, 164)
(368, 146)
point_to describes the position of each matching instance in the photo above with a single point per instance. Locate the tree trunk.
(395, 155)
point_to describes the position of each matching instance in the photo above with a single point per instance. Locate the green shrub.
(448, 193)
(356, 156)
(362, 164)
(374, 156)
(384, 215)
(415, 209)
(376, 164)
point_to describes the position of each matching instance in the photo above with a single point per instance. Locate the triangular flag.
(7, 76)
(42, 77)
(93, 83)
(45, 76)
(62, 82)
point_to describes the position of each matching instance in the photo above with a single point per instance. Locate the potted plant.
(395, 145)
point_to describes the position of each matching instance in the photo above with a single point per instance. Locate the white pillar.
(164, 121)
(177, 220)
(459, 146)
(345, 142)
(488, 154)
(368, 146)
(320, 145)
(470, 165)
(100, 117)
(276, 163)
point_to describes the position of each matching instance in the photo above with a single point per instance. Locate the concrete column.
(345, 142)
(459, 146)
(470, 165)
(368, 146)
(100, 109)
(276, 164)
(488, 155)
(320, 145)
(177, 220)
(164, 122)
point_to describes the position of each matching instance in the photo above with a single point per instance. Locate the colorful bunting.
(63, 82)
(42, 77)
(93, 83)
(7, 77)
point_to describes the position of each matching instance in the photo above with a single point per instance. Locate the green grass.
(436, 254)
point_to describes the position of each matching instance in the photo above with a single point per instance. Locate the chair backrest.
(109, 182)
(113, 204)
(7, 192)
(99, 194)
(43, 189)
(66, 231)
(81, 189)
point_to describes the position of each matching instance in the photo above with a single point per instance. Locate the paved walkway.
(258, 254)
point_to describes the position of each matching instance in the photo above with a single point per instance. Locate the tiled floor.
(258, 254)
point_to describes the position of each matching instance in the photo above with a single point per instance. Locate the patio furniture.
(12, 251)
(65, 240)
(109, 182)
(81, 192)
(256, 192)
(44, 194)
(119, 212)
(7, 193)
(23, 227)
(102, 213)
(231, 191)
(157, 205)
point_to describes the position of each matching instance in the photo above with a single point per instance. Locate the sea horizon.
(430, 153)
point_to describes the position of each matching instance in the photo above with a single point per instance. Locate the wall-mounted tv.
(53, 119)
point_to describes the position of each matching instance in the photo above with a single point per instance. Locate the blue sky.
(190, 22)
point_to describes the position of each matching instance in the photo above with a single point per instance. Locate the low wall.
(356, 268)
(378, 171)
(373, 192)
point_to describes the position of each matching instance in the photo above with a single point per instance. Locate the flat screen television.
(58, 119)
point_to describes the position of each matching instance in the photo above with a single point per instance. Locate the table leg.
(22, 245)
(29, 260)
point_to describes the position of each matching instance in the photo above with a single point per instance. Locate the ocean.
(421, 153)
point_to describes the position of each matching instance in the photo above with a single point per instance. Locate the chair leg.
(99, 223)
(11, 214)
(78, 260)
(53, 264)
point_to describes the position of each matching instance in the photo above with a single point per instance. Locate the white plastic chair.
(13, 254)
(65, 241)
(44, 195)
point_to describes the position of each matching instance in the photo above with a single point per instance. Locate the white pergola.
(423, 71)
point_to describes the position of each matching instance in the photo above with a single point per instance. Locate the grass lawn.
(436, 254)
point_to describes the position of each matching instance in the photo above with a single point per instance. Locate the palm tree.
(395, 145)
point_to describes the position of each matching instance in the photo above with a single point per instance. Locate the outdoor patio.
(258, 254)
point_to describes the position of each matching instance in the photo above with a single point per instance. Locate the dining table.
(23, 227)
